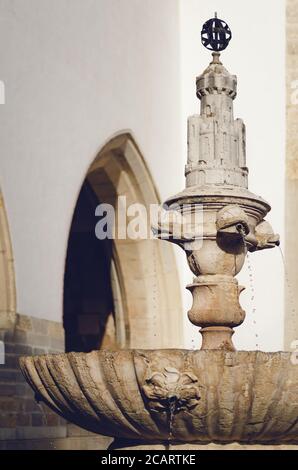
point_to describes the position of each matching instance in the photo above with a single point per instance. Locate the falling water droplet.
(171, 414)
(252, 298)
(154, 292)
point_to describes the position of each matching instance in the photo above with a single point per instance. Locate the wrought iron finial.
(215, 34)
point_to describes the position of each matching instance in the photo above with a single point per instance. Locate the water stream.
(171, 413)
(154, 296)
(252, 298)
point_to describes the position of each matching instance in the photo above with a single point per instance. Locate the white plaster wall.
(76, 72)
(257, 56)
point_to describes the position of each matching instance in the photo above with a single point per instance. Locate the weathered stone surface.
(173, 395)
(231, 220)
(216, 142)
(197, 446)
(291, 186)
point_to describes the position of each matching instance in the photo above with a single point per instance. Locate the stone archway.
(7, 276)
(145, 311)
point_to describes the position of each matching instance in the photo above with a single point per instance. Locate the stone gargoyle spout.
(266, 238)
(231, 221)
(233, 224)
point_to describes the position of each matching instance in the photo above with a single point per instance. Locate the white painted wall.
(257, 56)
(77, 71)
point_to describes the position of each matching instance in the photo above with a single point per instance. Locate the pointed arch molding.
(7, 276)
(146, 269)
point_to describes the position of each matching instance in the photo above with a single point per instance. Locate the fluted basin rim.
(178, 395)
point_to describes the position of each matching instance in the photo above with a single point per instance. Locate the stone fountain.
(168, 399)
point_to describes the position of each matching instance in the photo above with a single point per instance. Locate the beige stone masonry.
(291, 220)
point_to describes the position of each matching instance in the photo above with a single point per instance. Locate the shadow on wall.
(88, 299)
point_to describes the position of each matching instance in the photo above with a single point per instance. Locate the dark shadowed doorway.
(88, 298)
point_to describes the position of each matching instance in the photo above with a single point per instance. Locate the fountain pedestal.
(216, 309)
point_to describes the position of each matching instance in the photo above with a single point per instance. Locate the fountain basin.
(178, 395)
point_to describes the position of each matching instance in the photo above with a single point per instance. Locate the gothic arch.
(7, 276)
(143, 275)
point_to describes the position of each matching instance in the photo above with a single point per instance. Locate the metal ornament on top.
(215, 34)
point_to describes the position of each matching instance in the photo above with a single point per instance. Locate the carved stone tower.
(216, 141)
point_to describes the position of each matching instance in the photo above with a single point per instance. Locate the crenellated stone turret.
(216, 142)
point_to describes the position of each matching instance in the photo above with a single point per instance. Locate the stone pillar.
(291, 220)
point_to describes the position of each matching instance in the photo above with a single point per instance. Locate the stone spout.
(233, 224)
(266, 238)
(231, 221)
